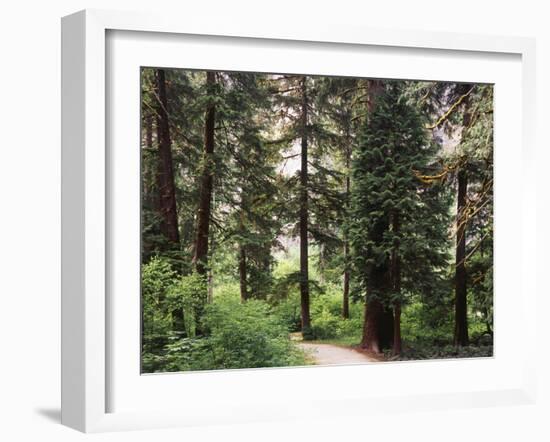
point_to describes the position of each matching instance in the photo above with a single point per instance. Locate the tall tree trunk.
(200, 258)
(378, 320)
(374, 89)
(396, 349)
(345, 300)
(386, 327)
(304, 271)
(371, 326)
(396, 282)
(205, 195)
(322, 263)
(242, 273)
(165, 175)
(148, 175)
(210, 276)
(378, 324)
(147, 179)
(461, 307)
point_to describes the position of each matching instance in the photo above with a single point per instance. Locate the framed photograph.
(251, 211)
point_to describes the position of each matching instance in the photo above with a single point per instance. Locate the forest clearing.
(293, 220)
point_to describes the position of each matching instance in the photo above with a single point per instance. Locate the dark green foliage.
(393, 146)
(429, 351)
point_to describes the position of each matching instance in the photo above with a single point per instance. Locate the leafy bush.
(157, 277)
(326, 316)
(326, 325)
(417, 326)
(239, 336)
(352, 327)
(188, 354)
(330, 301)
(227, 290)
(288, 311)
(248, 335)
(188, 295)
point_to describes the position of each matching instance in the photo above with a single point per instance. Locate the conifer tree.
(463, 112)
(206, 187)
(248, 188)
(398, 240)
(293, 99)
(165, 173)
(341, 103)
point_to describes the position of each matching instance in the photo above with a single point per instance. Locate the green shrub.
(421, 350)
(248, 335)
(352, 327)
(288, 312)
(325, 325)
(238, 336)
(157, 277)
(417, 325)
(326, 302)
(227, 290)
(326, 316)
(187, 354)
(188, 295)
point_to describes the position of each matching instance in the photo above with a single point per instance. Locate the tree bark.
(386, 328)
(210, 276)
(206, 184)
(345, 300)
(374, 89)
(396, 350)
(210, 286)
(149, 172)
(396, 282)
(371, 326)
(148, 175)
(461, 307)
(304, 271)
(378, 320)
(378, 327)
(165, 175)
(242, 273)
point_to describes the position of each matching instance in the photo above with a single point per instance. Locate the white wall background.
(30, 216)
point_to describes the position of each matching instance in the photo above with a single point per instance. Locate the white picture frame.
(89, 326)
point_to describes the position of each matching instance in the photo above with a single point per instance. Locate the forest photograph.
(302, 220)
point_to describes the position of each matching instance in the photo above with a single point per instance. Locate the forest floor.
(328, 354)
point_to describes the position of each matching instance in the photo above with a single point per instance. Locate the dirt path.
(328, 354)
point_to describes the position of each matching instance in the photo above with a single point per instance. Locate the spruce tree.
(248, 190)
(397, 234)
